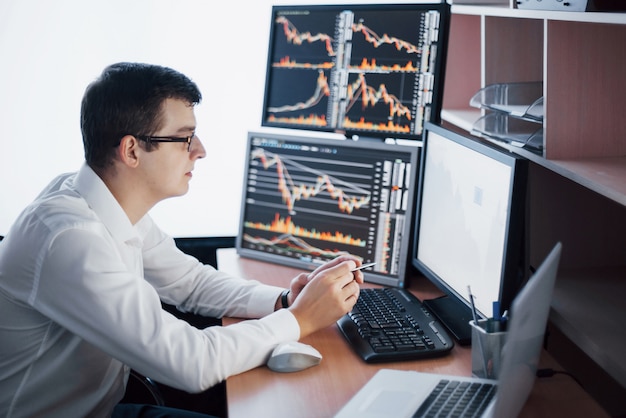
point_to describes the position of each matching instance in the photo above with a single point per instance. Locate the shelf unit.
(578, 185)
(581, 57)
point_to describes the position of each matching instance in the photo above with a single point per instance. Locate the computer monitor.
(308, 199)
(470, 226)
(373, 70)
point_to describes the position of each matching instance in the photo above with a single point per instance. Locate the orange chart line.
(294, 36)
(321, 90)
(292, 192)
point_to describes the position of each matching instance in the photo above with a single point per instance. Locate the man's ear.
(127, 151)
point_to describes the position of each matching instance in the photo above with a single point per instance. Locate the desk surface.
(322, 390)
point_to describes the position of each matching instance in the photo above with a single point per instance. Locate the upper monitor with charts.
(372, 70)
(307, 200)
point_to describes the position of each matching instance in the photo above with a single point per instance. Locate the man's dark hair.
(126, 100)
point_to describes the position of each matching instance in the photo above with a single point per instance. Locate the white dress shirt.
(80, 303)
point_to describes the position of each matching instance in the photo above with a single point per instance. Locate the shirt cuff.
(284, 325)
(263, 301)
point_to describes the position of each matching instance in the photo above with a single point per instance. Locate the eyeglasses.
(150, 139)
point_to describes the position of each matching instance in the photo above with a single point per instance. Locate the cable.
(552, 372)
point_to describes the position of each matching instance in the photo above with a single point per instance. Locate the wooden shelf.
(505, 11)
(588, 308)
(605, 176)
(581, 65)
(463, 118)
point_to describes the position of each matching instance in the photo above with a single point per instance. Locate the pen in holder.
(488, 338)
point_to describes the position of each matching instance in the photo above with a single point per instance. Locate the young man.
(84, 268)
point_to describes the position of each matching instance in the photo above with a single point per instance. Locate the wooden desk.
(322, 390)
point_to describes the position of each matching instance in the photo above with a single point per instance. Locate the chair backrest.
(205, 248)
(142, 389)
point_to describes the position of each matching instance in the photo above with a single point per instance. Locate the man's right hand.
(329, 293)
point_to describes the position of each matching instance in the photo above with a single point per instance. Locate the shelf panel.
(513, 50)
(588, 308)
(463, 64)
(505, 11)
(605, 176)
(463, 118)
(585, 91)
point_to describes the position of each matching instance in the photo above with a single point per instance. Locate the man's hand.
(320, 298)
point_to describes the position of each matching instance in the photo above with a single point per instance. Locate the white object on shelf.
(521, 100)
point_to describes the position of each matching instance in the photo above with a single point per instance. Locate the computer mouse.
(293, 356)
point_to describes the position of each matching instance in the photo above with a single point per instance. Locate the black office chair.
(142, 390)
(205, 249)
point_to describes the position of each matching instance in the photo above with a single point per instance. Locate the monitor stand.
(454, 315)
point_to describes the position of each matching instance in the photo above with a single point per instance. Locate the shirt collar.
(100, 199)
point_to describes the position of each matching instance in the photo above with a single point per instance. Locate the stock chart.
(315, 201)
(367, 71)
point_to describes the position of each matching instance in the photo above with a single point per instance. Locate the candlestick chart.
(362, 71)
(311, 201)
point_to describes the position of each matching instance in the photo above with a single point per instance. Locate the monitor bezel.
(440, 61)
(515, 265)
(405, 243)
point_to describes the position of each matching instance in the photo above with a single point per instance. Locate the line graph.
(321, 90)
(324, 62)
(370, 97)
(357, 92)
(375, 40)
(294, 36)
(316, 183)
(311, 199)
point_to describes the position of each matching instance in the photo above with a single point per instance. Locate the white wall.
(51, 50)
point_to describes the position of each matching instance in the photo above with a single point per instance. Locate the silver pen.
(363, 266)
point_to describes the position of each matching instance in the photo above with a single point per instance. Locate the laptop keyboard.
(451, 398)
(389, 324)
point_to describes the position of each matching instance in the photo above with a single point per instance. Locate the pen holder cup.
(488, 338)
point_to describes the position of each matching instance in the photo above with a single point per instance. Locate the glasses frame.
(150, 139)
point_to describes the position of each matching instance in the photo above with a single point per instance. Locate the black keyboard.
(389, 324)
(451, 398)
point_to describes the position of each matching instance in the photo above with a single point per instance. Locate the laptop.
(399, 393)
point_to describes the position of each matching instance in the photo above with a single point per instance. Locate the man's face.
(167, 170)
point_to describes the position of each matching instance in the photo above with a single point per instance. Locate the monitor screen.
(307, 200)
(470, 227)
(361, 70)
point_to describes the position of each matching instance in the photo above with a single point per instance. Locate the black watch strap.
(284, 301)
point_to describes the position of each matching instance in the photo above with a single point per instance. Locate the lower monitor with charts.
(307, 200)
(470, 228)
